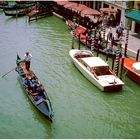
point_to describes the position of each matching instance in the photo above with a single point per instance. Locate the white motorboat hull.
(97, 81)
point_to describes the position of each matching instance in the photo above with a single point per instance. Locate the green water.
(80, 109)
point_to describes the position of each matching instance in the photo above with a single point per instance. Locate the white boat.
(96, 70)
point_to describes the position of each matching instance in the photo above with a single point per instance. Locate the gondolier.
(27, 59)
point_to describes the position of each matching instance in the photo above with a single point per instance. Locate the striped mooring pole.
(104, 32)
(126, 42)
(117, 59)
(122, 64)
(92, 44)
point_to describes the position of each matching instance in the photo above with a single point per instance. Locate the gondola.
(40, 100)
(18, 9)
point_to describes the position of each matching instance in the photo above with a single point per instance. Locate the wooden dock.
(35, 14)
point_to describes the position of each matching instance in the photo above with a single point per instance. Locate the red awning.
(61, 3)
(70, 5)
(79, 7)
(108, 10)
(90, 11)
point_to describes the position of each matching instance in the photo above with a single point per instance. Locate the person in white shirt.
(110, 33)
(27, 59)
(115, 39)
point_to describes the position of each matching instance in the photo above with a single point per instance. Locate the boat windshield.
(83, 54)
(102, 70)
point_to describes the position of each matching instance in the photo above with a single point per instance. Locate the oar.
(7, 72)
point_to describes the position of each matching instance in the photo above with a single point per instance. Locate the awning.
(61, 3)
(70, 5)
(108, 10)
(133, 15)
(90, 11)
(79, 7)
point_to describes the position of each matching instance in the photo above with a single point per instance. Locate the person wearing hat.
(27, 59)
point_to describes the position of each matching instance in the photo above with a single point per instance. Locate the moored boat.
(133, 69)
(39, 97)
(18, 9)
(19, 13)
(3, 3)
(96, 70)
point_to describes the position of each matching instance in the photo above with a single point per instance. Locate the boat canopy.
(93, 62)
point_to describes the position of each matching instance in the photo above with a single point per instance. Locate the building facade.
(122, 7)
(133, 16)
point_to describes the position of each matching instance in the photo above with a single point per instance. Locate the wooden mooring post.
(79, 42)
(107, 56)
(97, 52)
(73, 28)
(137, 57)
(72, 42)
(113, 60)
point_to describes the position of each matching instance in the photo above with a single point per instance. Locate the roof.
(108, 10)
(79, 7)
(133, 15)
(90, 11)
(61, 3)
(94, 62)
(70, 5)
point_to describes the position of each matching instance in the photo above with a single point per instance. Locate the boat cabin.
(83, 54)
(96, 65)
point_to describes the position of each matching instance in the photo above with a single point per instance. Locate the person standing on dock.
(27, 59)
(110, 33)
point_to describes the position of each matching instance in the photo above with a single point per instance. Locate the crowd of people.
(34, 87)
(114, 35)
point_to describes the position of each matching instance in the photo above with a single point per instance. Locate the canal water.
(80, 109)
